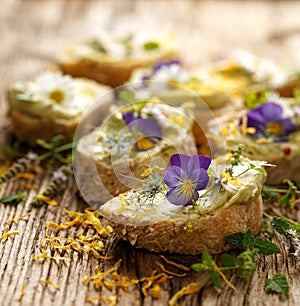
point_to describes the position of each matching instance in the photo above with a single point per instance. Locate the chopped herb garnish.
(253, 100)
(151, 45)
(127, 97)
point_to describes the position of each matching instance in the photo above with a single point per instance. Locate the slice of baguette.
(208, 232)
(38, 122)
(159, 226)
(285, 156)
(102, 174)
(110, 69)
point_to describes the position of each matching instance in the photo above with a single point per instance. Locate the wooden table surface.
(32, 33)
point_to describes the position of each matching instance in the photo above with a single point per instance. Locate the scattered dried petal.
(190, 289)
(50, 282)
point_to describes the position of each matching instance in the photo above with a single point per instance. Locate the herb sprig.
(284, 197)
(244, 263)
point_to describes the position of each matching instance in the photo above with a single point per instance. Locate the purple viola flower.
(128, 117)
(147, 131)
(268, 121)
(161, 64)
(185, 176)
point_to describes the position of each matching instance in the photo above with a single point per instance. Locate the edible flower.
(146, 130)
(56, 87)
(185, 176)
(268, 122)
(170, 73)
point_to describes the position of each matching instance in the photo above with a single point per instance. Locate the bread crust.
(109, 73)
(29, 128)
(208, 231)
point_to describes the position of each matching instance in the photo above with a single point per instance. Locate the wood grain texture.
(32, 33)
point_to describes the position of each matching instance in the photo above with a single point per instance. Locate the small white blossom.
(291, 232)
(56, 87)
(171, 74)
(59, 175)
(261, 69)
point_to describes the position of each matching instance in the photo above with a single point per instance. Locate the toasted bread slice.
(36, 114)
(111, 61)
(159, 225)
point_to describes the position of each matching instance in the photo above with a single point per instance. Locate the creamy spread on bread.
(114, 138)
(173, 84)
(114, 49)
(53, 95)
(262, 149)
(246, 72)
(134, 208)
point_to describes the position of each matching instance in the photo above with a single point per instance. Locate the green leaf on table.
(13, 199)
(206, 265)
(236, 240)
(280, 225)
(265, 247)
(215, 278)
(248, 240)
(247, 266)
(278, 283)
(209, 265)
(285, 200)
(228, 261)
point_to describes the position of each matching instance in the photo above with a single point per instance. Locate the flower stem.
(282, 217)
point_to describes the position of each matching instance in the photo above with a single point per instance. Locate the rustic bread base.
(29, 128)
(113, 74)
(209, 231)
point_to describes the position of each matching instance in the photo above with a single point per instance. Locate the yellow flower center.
(172, 83)
(57, 95)
(187, 188)
(275, 128)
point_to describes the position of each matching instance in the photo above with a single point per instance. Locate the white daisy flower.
(56, 87)
(171, 74)
(261, 69)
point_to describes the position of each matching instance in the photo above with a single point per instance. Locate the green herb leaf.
(141, 104)
(215, 278)
(278, 283)
(208, 264)
(247, 266)
(280, 225)
(13, 199)
(12, 152)
(248, 240)
(228, 260)
(236, 239)
(199, 267)
(151, 45)
(207, 259)
(285, 200)
(296, 92)
(266, 247)
(97, 45)
(127, 96)
(253, 100)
